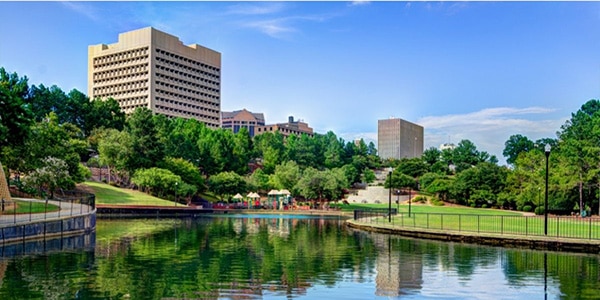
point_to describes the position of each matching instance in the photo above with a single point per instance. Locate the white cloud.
(359, 2)
(274, 28)
(488, 129)
(256, 9)
(82, 8)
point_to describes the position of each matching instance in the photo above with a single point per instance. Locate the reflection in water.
(277, 257)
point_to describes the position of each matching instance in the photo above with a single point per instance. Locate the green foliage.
(15, 115)
(186, 170)
(515, 145)
(156, 181)
(227, 184)
(52, 174)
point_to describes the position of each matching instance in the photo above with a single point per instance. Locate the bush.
(420, 199)
(527, 208)
(484, 206)
(539, 210)
(437, 202)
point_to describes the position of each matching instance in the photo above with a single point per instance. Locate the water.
(273, 258)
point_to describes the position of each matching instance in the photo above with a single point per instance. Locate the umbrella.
(273, 192)
(238, 196)
(284, 192)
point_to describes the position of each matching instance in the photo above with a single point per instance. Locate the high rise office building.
(397, 138)
(153, 69)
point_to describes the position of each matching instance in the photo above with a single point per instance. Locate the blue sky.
(464, 70)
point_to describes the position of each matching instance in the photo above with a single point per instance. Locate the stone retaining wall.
(41, 229)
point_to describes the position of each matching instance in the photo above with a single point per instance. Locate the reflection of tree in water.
(577, 275)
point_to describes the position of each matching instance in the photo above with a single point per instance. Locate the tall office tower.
(153, 69)
(397, 138)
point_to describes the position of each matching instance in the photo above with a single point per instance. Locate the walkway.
(67, 209)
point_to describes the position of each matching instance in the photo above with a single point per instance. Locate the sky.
(481, 71)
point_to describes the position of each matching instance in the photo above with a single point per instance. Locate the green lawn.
(25, 207)
(491, 221)
(108, 194)
(421, 208)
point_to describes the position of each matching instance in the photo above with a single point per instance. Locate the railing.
(69, 203)
(558, 226)
(370, 213)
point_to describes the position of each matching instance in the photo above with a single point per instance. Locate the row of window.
(120, 56)
(162, 61)
(129, 101)
(111, 74)
(229, 121)
(187, 113)
(187, 60)
(187, 106)
(283, 130)
(123, 62)
(107, 94)
(186, 90)
(130, 108)
(187, 75)
(188, 98)
(168, 78)
(122, 87)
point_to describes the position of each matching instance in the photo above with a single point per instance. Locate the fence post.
(442, 222)
(501, 225)
(557, 224)
(590, 227)
(459, 222)
(30, 208)
(478, 229)
(526, 226)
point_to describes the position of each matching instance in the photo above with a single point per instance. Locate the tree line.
(52, 137)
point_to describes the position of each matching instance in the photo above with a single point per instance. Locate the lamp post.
(398, 200)
(176, 184)
(547, 152)
(409, 199)
(390, 197)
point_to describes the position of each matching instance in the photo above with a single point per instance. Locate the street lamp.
(547, 152)
(409, 199)
(176, 183)
(390, 197)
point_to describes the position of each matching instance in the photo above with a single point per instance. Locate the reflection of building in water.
(398, 272)
(276, 226)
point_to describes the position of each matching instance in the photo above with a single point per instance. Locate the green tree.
(15, 115)
(114, 149)
(52, 174)
(158, 182)
(226, 184)
(515, 145)
(146, 147)
(186, 170)
(580, 143)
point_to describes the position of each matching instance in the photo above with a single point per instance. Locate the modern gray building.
(397, 138)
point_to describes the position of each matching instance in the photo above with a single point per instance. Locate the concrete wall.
(41, 229)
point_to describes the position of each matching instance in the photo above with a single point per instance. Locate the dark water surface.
(274, 257)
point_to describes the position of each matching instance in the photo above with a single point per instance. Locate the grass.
(481, 221)
(420, 208)
(26, 207)
(108, 194)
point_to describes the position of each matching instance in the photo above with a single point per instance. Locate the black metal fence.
(557, 226)
(65, 203)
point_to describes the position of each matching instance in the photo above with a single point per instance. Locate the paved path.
(66, 209)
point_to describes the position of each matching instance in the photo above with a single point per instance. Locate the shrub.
(527, 208)
(437, 202)
(539, 210)
(484, 206)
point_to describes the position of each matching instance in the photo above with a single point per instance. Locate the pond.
(274, 257)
